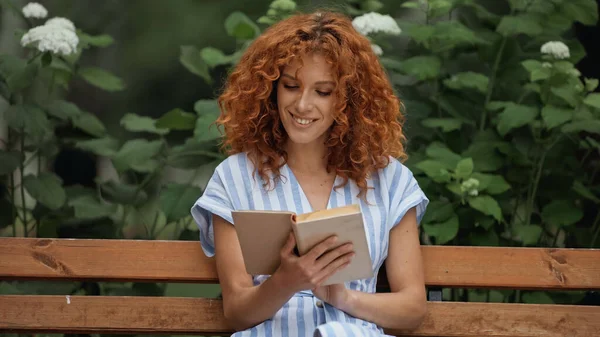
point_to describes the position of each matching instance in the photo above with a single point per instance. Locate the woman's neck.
(307, 158)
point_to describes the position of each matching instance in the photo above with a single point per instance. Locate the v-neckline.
(305, 197)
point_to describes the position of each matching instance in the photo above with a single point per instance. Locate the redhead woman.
(311, 123)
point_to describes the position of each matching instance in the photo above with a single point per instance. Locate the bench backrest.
(181, 261)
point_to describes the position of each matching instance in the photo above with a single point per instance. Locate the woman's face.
(306, 102)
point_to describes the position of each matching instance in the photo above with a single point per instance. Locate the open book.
(262, 234)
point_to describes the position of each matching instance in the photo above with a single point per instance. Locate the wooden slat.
(160, 315)
(179, 261)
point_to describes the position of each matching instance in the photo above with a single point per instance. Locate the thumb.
(288, 248)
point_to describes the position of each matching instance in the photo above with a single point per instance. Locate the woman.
(311, 122)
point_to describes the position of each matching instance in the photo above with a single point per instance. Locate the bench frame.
(181, 261)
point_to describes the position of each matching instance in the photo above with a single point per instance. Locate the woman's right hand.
(310, 270)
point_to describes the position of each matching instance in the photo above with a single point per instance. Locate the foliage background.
(115, 143)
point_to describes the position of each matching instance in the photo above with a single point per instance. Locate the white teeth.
(303, 121)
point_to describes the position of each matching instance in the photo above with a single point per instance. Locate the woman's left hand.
(336, 295)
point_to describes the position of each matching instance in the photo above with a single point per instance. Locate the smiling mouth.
(302, 121)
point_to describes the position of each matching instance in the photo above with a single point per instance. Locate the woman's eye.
(323, 93)
(287, 86)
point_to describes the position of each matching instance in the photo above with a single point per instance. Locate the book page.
(327, 213)
(348, 228)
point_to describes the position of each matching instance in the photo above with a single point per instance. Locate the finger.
(337, 265)
(321, 248)
(288, 247)
(328, 257)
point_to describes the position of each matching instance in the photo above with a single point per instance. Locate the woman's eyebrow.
(318, 82)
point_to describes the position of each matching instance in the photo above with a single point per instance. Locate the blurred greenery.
(116, 140)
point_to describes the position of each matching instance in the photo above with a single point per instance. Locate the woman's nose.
(304, 104)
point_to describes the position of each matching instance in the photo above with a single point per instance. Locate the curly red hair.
(367, 127)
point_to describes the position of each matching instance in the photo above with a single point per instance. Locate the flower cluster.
(34, 10)
(57, 35)
(373, 22)
(556, 49)
(470, 186)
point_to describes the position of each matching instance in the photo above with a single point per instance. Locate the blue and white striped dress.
(232, 187)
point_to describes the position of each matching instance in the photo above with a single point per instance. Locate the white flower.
(34, 10)
(556, 49)
(56, 36)
(374, 22)
(61, 22)
(377, 50)
(470, 186)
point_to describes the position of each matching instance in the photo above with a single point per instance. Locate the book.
(262, 234)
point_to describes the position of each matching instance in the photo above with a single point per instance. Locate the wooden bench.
(181, 261)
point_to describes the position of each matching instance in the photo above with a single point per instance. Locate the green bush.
(502, 128)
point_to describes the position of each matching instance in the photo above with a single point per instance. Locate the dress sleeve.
(215, 200)
(404, 193)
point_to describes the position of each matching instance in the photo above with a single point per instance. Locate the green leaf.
(592, 126)
(567, 93)
(214, 57)
(22, 77)
(537, 70)
(593, 100)
(123, 193)
(205, 130)
(106, 146)
(89, 207)
(439, 8)
(177, 119)
(47, 189)
(470, 80)
(135, 123)
(101, 78)
(30, 118)
(446, 124)
(583, 191)
(454, 187)
(101, 41)
(515, 116)
(192, 60)
(554, 116)
(442, 232)
(484, 155)
(493, 183)
(584, 11)
(487, 205)
(537, 297)
(137, 154)
(421, 34)
(519, 24)
(591, 84)
(527, 234)
(438, 211)
(193, 154)
(561, 213)
(464, 168)
(238, 25)
(411, 4)
(435, 170)
(422, 67)
(443, 154)
(487, 238)
(63, 110)
(452, 34)
(207, 107)
(10, 161)
(89, 123)
(176, 200)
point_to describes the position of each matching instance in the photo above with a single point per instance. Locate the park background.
(114, 142)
